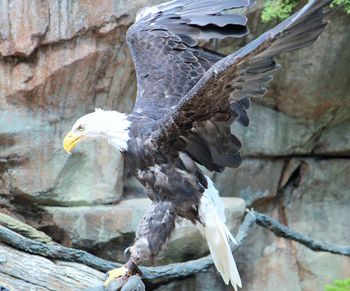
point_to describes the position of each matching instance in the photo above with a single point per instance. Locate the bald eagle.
(187, 99)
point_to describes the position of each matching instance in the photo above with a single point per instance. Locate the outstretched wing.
(224, 92)
(164, 46)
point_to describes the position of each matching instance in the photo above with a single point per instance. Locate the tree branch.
(171, 271)
(283, 231)
(23, 228)
(55, 251)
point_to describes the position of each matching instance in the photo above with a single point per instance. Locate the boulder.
(27, 26)
(250, 180)
(58, 62)
(318, 208)
(108, 230)
(274, 133)
(206, 281)
(35, 167)
(334, 140)
(312, 83)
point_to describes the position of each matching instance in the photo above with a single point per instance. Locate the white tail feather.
(212, 215)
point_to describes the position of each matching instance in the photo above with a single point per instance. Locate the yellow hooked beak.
(71, 140)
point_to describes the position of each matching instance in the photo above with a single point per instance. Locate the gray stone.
(254, 180)
(319, 208)
(312, 82)
(266, 262)
(78, 61)
(335, 140)
(21, 29)
(108, 230)
(273, 133)
(3, 259)
(25, 26)
(206, 281)
(36, 167)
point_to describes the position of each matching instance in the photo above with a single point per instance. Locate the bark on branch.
(54, 251)
(23, 228)
(171, 271)
(283, 231)
(58, 252)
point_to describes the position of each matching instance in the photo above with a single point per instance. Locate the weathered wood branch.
(54, 251)
(283, 231)
(23, 228)
(22, 271)
(171, 271)
(58, 252)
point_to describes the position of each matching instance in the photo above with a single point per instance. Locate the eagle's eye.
(81, 127)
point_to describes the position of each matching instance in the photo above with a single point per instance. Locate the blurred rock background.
(61, 59)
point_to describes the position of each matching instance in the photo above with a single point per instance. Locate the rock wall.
(61, 59)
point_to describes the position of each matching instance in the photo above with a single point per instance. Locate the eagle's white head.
(110, 125)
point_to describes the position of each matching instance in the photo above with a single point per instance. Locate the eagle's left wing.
(164, 46)
(228, 84)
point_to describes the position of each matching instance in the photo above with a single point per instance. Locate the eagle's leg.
(154, 230)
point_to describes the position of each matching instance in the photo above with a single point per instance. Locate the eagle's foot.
(122, 274)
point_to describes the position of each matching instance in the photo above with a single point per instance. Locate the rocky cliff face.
(61, 59)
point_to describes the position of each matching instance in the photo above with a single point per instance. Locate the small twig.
(283, 231)
(244, 228)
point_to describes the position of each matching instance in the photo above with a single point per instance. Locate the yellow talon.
(115, 274)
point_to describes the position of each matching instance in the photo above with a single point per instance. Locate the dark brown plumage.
(169, 63)
(187, 99)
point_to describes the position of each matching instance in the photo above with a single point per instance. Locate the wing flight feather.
(190, 95)
(229, 83)
(164, 46)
